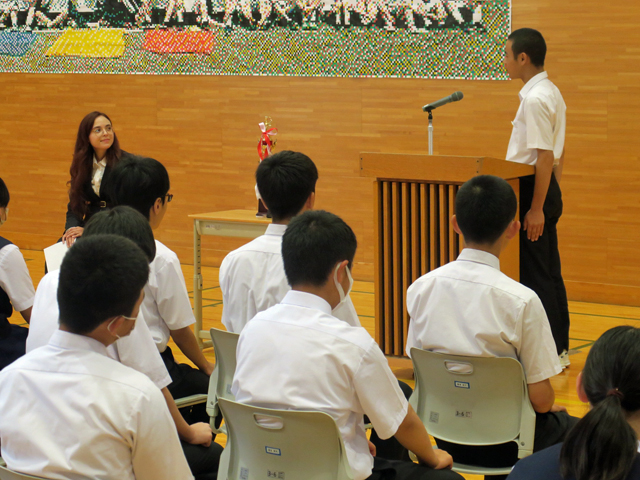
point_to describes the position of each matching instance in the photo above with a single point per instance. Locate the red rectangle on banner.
(172, 41)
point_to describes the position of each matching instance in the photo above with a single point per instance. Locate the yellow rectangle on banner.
(102, 43)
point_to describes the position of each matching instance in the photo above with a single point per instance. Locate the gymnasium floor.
(588, 322)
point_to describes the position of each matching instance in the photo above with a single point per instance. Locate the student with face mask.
(297, 355)
(16, 291)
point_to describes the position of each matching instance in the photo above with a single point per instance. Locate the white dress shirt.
(469, 307)
(68, 411)
(166, 304)
(15, 279)
(137, 350)
(297, 356)
(98, 173)
(252, 279)
(540, 122)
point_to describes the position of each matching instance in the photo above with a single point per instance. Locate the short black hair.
(313, 244)
(531, 42)
(101, 277)
(285, 181)
(485, 206)
(126, 222)
(137, 182)
(4, 194)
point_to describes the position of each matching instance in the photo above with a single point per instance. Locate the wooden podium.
(413, 203)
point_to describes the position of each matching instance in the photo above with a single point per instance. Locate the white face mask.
(343, 295)
(111, 323)
(6, 216)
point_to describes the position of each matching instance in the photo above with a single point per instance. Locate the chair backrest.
(281, 444)
(6, 474)
(224, 345)
(473, 400)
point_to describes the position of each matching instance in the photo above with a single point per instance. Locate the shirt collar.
(307, 300)
(531, 83)
(275, 229)
(102, 163)
(71, 341)
(478, 256)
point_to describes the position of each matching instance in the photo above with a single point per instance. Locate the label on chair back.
(273, 451)
(461, 384)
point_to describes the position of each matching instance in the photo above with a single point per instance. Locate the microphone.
(454, 97)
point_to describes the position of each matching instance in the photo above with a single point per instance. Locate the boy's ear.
(580, 389)
(310, 201)
(454, 224)
(513, 229)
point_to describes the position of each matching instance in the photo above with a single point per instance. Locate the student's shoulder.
(164, 256)
(543, 465)
(515, 289)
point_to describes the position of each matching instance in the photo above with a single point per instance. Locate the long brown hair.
(82, 163)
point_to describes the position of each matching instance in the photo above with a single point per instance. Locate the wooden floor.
(588, 322)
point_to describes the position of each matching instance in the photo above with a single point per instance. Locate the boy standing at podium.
(538, 139)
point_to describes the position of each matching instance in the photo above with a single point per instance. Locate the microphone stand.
(430, 132)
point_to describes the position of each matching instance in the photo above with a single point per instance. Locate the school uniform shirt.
(469, 307)
(297, 356)
(137, 350)
(15, 280)
(166, 304)
(252, 279)
(68, 411)
(540, 122)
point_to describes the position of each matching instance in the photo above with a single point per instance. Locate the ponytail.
(602, 445)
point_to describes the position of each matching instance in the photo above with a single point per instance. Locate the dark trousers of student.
(13, 340)
(186, 381)
(392, 460)
(551, 428)
(540, 260)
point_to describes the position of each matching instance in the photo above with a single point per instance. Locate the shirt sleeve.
(539, 121)
(138, 351)
(379, 393)
(156, 453)
(15, 279)
(172, 298)
(45, 313)
(537, 351)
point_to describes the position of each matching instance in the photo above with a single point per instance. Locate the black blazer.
(95, 203)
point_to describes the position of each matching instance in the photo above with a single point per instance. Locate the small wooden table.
(230, 223)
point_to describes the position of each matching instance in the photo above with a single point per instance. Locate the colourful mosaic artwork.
(462, 39)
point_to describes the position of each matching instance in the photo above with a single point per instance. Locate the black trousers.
(185, 381)
(203, 461)
(540, 268)
(13, 341)
(384, 469)
(551, 428)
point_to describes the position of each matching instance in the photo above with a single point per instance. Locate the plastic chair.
(224, 345)
(289, 444)
(474, 401)
(6, 474)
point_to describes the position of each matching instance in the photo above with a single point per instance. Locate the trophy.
(265, 146)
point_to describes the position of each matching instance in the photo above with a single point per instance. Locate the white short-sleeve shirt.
(469, 307)
(540, 122)
(166, 304)
(252, 279)
(67, 410)
(297, 356)
(137, 350)
(15, 279)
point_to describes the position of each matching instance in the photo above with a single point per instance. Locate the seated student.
(137, 350)
(252, 277)
(604, 443)
(143, 183)
(67, 410)
(16, 291)
(324, 364)
(468, 307)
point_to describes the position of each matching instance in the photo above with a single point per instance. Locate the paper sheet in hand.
(54, 254)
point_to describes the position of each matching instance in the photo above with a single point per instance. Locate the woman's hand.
(71, 235)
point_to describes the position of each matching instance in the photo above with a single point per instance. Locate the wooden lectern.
(413, 203)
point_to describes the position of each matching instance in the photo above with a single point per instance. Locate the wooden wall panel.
(205, 131)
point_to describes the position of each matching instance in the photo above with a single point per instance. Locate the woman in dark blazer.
(96, 152)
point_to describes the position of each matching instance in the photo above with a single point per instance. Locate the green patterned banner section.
(456, 39)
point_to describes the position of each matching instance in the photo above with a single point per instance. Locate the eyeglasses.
(98, 130)
(169, 197)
